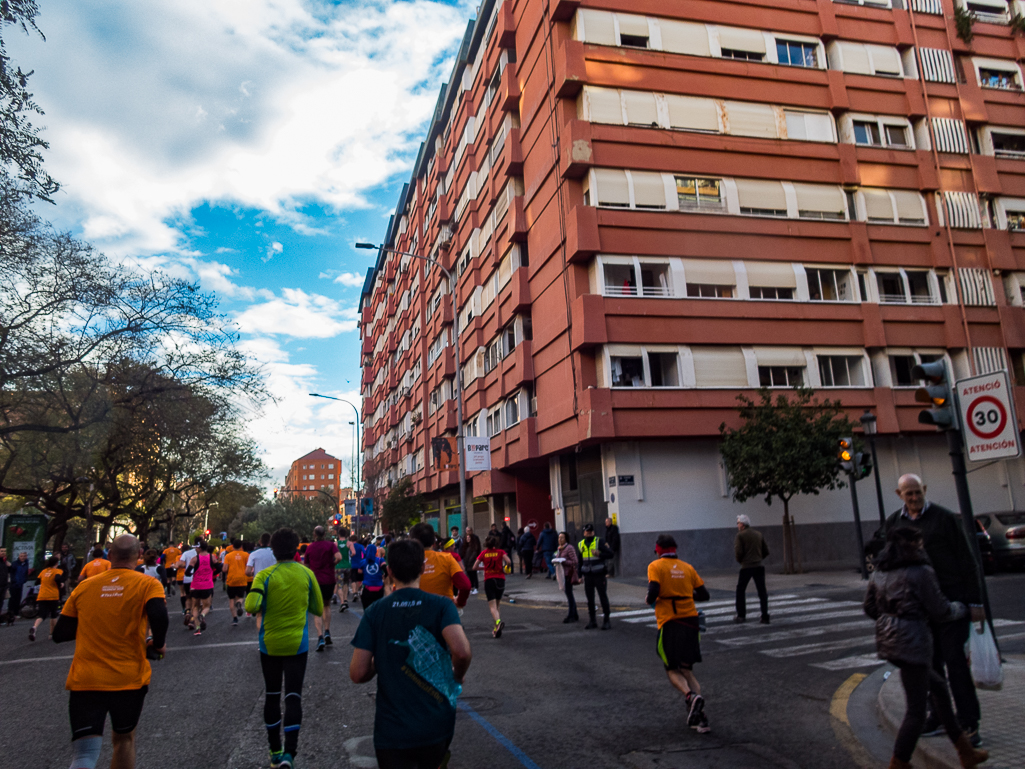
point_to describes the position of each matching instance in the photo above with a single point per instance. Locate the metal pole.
(879, 485)
(964, 501)
(857, 527)
(459, 400)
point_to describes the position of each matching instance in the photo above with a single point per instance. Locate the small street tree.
(785, 446)
(402, 507)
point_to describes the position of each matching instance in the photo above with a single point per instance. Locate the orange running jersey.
(439, 568)
(677, 580)
(94, 567)
(48, 590)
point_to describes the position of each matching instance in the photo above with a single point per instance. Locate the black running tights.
(293, 669)
(921, 684)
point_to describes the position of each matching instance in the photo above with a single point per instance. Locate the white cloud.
(153, 108)
(299, 315)
(348, 279)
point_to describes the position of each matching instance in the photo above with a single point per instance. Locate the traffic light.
(208, 533)
(862, 466)
(936, 392)
(846, 454)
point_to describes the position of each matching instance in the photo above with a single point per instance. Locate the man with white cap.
(750, 550)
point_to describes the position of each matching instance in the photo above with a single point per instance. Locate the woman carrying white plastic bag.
(985, 659)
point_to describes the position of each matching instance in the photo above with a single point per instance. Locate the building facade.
(652, 207)
(316, 475)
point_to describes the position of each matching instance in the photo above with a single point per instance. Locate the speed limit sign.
(987, 413)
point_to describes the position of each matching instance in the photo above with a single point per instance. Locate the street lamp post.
(868, 422)
(459, 368)
(358, 484)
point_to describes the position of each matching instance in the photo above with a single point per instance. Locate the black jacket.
(612, 537)
(903, 602)
(527, 541)
(949, 550)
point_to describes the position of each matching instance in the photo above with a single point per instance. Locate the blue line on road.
(504, 741)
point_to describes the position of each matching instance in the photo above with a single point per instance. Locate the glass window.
(998, 78)
(620, 280)
(918, 282)
(780, 376)
(512, 411)
(866, 133)
(627, 371)
(655, 279)
(896, 136)
(732, 53)
(891, 288)
(1016, 220)
(797, 54)
(695, 192)
(664, 369)
(1008, 145)
(841, 371)
(762, 292)
(829, 285)
(706, 291)
(900, 370)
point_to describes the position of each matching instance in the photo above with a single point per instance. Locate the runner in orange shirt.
(106, 616)
(235, 580)
(50, 580)
(97, 565)
(171, 555)
(442, 574)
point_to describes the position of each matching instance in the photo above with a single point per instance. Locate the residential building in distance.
(316, 475)
(653, 207)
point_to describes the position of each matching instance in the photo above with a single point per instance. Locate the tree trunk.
(791, 549)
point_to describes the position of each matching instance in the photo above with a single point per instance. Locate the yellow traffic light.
(846, 453)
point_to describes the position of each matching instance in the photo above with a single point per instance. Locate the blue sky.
(247, 145)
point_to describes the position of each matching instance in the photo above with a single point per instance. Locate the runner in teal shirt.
(284, 594)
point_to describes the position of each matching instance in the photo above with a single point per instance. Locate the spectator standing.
(569, 564)
(593, 555)
(106, 616)
(526, 544)
(460, 544)
(507, 541)
(321, 557)
(548, 543)
(20, 572)
(470, 553)
(903, 598)
(946, 543)
(413, 642)
(67, 564)
(750, 550)
(5, 567)
(613, 541)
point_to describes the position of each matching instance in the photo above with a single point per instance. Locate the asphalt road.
(545, 695)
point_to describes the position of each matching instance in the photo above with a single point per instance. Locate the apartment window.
(764, 292)
(771, 280)
(1005, 79)
(655, 279)
(825, 285)
(665, 370)
(780, 376)
(866, 133)
(797, 54)
(494, 422)
(896, 136)
(731, 53)
(331, 466)
(698, 193)
(1007, 145)
(493, 355)
(891, 288)
(809, 126)
(512, 411)
(918, 286)
(1015, 220)
(901, 365)
(627, 370)
(841, 371)
(760, 197)
(993, 11)
(508, 337)
(633, 30)
(330, 476)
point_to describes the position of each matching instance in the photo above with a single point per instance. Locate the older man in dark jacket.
(950, 553)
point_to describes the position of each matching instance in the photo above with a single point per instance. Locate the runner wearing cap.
(673, 587)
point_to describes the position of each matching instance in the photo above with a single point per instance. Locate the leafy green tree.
(268, 516)
(402, 507)
(784, 447)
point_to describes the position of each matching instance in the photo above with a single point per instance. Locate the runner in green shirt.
(342, 569)
(283, 594)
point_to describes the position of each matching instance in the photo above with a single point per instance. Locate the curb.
(931, 752)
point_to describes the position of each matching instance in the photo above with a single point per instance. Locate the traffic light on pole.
(846, 454)
(862, 466)
(937, 393)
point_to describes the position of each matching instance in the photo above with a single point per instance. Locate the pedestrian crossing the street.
(830, 627)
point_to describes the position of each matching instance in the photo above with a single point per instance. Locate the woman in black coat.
(526, 545)
(903, 598)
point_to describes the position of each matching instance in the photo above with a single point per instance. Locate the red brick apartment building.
(315, 473)
(655, 206)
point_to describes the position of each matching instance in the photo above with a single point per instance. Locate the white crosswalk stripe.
(825, 646)
(786, 635)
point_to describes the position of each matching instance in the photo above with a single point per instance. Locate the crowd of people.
(923, 594)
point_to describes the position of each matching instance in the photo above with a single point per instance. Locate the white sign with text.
(987, 414)
(478, 454)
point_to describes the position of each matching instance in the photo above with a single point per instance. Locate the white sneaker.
(473, 592)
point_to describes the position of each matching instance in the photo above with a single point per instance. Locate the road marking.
(1007, 622)
(504, 741)
(35, 659)
(785, 635)
(1011, 637)
(753, 627)
(253, 644)
(828, 646)
(779, 607)
(802, 602)
(705, 605)
(857, 661)
(787, 610)
(838, 707)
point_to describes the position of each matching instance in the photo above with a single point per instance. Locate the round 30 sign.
(987, 417)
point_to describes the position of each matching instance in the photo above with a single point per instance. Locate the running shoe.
(32, 634)
(320, 643)
(286, 761)
(696, 704)
(498, 628)
(202, 624)
(275, 759)
(234, 621)
(327, 638)
(344, 607)
(186, 619)
(702, 725)
(198, 633)
(473, 592)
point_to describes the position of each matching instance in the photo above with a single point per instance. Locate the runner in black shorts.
(88, 711)
(493, 560)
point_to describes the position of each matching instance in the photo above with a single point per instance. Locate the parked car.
(989, 560)
(1007, 534)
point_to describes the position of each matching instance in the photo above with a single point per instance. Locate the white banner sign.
(990, 427)
(478, 454)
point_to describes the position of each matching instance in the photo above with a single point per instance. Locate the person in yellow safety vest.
(593, 555)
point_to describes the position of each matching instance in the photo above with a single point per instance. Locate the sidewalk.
(1003, 717)
(629, 592)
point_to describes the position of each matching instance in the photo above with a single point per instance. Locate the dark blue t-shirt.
(403, 632)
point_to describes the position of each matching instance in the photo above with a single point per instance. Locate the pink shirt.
(203, 576)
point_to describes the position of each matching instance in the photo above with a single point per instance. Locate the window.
(761, 197)
(655, 279)
(708, 291)
(809, 126)
(820, 201)
(1007, 145)
(1015, 220)
(709, 278)
(918, 285)
(999, 78)
(764, 292)
(627, 371)
(697, 193)
(901, 366)
(866, 133)
(896, 136)
(825, 285)
(771, 280)
(780, 376)
(876, 131)
(719, 367)
(620, 280)
(841, 371)
(665, 371)
(512, 411)
(494, 422)
(331, 476)
(729, 53)
(633, 30)
(797, 54)
(892, 206)
(891, 288)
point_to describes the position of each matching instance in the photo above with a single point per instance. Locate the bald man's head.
(912, 491)
(124, 552)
